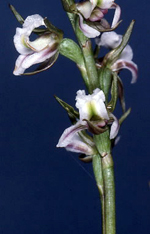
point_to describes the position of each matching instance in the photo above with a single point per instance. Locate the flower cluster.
(91, 16)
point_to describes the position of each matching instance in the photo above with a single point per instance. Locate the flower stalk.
(94, 126)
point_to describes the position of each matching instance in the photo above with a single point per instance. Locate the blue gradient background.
(42, 189)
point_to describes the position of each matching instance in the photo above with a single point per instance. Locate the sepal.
(72, 113)
(96, 127)
(114, 54)
(124, 116)
(114, 93)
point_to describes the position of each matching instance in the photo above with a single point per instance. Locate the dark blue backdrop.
(42, 189)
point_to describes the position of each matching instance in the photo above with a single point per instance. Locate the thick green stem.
(90, 65)
(103, 144)
(97, 168)
(109, 191)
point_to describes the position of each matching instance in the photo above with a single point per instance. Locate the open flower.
(111, 40)
(94, 117)
(91, 15)
(33, 52)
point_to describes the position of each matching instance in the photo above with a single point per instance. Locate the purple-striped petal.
(69, 133)
(125, 64)
(87, 30)
(72, 140)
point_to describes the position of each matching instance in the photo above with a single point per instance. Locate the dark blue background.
(42, 189)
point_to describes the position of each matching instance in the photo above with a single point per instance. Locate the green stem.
(97, 168)
(103, 144)
(109, 191)
(90, 65)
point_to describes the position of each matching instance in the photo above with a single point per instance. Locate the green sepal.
(53, 29)
(114, 54)
(93, 128)
(66, 5)
(71, 50)
(86, 159)
(16, 14)
(102, 26)
(114, 93)
(72, 113)
(105, 80)
(121, 94)
(124, 116)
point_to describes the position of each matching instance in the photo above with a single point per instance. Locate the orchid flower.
(91, 15)
(93, 115)
(33, 52)
(111, 40)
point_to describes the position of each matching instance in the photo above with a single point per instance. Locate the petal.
(78, 146)
(68, 134)
(48, 39)
(114, 127)
(38, 57)
(127, 53)
(85, 8)
(25, 61)
(116, 15)
(104, 4)
(22, 34)
(124, 64)
(87, 30)
(94, 3)
(18, 66)
(96, 15)
(31, 22)
(20, 42)
(109, 40)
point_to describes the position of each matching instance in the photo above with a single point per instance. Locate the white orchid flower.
(94, 11)
(111, 40)
(91, 108)
(33, 52)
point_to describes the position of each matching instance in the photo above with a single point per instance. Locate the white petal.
(105, 4)
(100, 109)
(18, 66)
(116, 15)
(20, 41)
(127, 53)
(110, 40)
(85, 8)
(87, 30)
(114, 127)
(91, 104)
(32, 22)
(22, 34)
